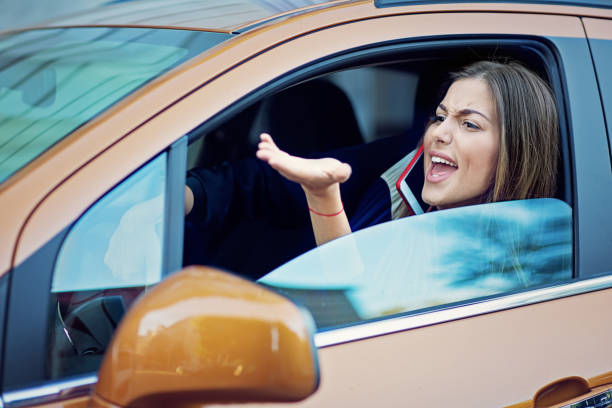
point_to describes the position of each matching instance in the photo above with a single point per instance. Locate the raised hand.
(320, 179)
(315, 176)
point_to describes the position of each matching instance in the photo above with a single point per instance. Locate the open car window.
(369, 111)
(431, 260)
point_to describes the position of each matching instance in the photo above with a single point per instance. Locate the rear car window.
(54, 80)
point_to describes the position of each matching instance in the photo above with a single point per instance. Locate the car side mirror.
(203, 336)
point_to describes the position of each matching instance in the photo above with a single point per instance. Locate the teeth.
(436, 159)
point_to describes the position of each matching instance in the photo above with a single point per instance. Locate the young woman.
(494, 137)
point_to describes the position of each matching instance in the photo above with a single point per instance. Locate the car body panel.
(597, 28)
(587, 3)
(224, 90)
(494, 348)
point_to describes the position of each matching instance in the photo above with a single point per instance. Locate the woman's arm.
(327, 214)
(320, 179)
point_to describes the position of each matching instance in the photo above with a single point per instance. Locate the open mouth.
(440, 169)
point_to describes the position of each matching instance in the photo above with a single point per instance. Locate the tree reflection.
(433, 259)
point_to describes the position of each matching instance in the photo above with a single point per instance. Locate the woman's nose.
(443, 133)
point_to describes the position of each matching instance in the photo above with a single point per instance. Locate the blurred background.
(17, 13)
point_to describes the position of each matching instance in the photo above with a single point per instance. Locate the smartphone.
(410, 183)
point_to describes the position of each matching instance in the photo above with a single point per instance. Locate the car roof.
(235, 16)
(210, 15)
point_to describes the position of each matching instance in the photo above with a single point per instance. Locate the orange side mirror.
(204, 336)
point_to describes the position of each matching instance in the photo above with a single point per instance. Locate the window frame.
(398, 50)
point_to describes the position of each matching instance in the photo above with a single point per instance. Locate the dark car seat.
(430, 91)
(307, 119)
(314, 116)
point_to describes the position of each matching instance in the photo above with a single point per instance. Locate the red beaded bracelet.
(327, 215)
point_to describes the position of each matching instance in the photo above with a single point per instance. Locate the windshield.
(431, 259)
(52, 81)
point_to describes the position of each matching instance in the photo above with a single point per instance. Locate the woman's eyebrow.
(466, 112)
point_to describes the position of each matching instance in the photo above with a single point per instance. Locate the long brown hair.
(529, 130)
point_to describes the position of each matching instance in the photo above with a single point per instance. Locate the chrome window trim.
(51, 392)
(392, 325)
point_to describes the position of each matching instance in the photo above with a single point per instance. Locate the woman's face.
(461, 146)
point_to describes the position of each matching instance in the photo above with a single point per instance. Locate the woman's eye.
(471, 125)
(439, 118)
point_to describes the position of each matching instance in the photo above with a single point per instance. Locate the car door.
(410, 358)
(513, 345)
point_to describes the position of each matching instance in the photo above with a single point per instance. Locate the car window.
(405, 266)
(54, 80)
(602, 57)
(430, 260)
(369, 114)
(334, 114)
(110, 255)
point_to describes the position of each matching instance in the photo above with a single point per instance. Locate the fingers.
(267, 149)
(310, 173)
(342, 172)
(269, 155)
(278, 159)
(265, 137)
(266, 143)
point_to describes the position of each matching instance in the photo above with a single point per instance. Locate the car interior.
(378, 98)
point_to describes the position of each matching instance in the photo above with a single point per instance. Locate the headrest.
(314, 116)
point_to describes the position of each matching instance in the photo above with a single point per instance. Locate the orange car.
(102, 115)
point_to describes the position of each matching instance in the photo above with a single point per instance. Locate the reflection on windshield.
(431, 259)
(54, 80)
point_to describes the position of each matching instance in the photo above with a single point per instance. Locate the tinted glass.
(111, 254)
(53, 81)
(431, 259)
(602, 56)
